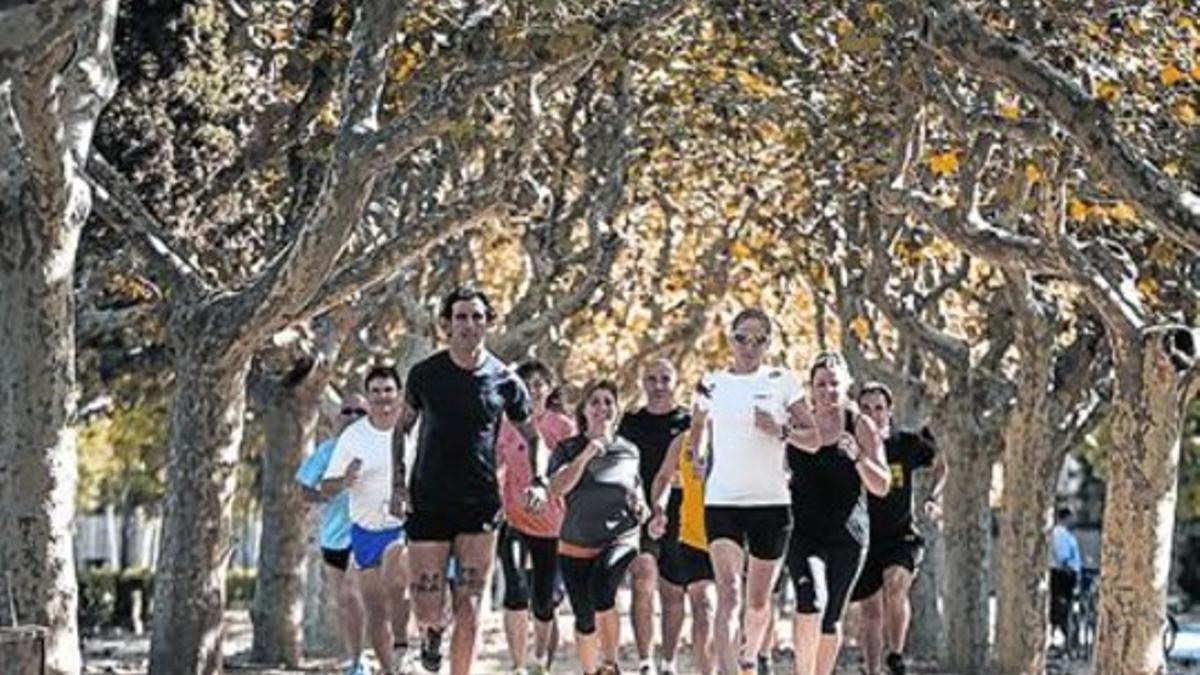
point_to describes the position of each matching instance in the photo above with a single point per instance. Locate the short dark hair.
(751, 313)
(1063, 513)
(466, 293)
(876, 388)
(382, 372)
(533, 367)
(589, 389)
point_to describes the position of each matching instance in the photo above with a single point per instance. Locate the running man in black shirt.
(896, 548)
(652, 428)
(459, 395)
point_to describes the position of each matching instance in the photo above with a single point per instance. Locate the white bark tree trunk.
(1139, 510)
(53, 90)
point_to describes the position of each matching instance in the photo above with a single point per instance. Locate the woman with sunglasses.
(837, 453)
(596, 473)
(738, 418)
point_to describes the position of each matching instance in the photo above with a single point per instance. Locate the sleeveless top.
(829, 503)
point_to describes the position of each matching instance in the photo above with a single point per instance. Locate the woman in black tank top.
(834, 456)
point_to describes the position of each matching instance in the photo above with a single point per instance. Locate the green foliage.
(105, 595)
(122, 454)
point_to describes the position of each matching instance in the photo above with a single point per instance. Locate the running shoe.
(895, 664)
(431, 650)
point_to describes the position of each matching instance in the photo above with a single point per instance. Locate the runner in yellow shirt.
(684, 560)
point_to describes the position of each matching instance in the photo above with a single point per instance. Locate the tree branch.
(959, 34)
(118, 204)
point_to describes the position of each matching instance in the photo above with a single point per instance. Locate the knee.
(645, 576)
(585, 622)
(702, 609)
(872, 608)
(896, 583)
(466, 615)
(758, 602)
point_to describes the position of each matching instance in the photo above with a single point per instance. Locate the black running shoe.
(431, 650)
(895, 664)
(764, 664)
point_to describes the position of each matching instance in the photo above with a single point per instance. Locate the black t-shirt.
(460, 412)
(828, 500)
(892, 514)
(652, 434)
(603, 505)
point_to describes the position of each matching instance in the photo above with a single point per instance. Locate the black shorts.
(683, 565)
(764, 530)
(337, 558)
(906, 551)
(823, 574)
(433, 525)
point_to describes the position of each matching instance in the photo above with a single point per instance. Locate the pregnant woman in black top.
(836, 453)
(596, 473)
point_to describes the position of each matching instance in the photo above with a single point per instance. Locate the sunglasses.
(353, 412)
(756, 340)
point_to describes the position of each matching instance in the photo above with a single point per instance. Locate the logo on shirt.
(897, 475)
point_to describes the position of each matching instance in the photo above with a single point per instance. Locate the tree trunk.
(1139, 514)
(322, 634)
(206, 438)
(38, 460)
(56, 87)
(927, 629)
(290, 417)
(968, 542)
(1031, 466)
(1022, 589)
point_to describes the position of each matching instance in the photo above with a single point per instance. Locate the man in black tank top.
(896, 548)
(652, 428)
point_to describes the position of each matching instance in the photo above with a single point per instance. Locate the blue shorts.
(368, 545)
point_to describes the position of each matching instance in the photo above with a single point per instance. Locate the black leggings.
(517, 551)
(592, 583)
(823, 574)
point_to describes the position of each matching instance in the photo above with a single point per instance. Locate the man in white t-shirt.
(362, 465)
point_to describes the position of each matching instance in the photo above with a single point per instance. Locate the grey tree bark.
(52, 89)
(290, 418)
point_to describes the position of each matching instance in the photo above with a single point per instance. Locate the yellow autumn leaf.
(844, 27)
(875, 12)
(768, 131)
(1170, 75)
(328, 118)
(1147, 286)
(740, 251)
(403, 66)
(1077, 209)
(944, 163)
(1171, 169)
(861, 327)
(1010, 111)
(1196, 72)
(1032, 173)
(755, 84)
(1185, 112)
(1108, 91)
(1121, 212)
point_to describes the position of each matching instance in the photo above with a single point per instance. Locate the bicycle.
(1081, 639)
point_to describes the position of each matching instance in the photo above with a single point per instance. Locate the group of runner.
(698, 506)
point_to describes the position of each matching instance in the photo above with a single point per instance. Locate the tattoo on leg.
(471, 580)
(428, 582)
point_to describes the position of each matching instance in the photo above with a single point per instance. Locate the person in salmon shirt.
(529, 540)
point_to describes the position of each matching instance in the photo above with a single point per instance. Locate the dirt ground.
(127, 655)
